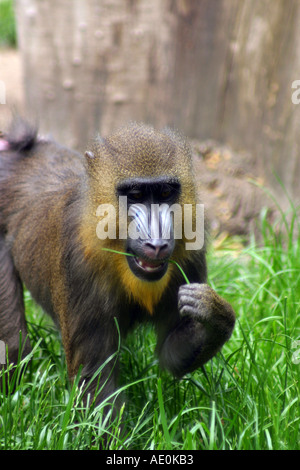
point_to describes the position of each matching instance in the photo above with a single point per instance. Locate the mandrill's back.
(40, 164)
(32, 169)
(39, 180)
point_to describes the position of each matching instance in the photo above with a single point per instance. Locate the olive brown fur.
(48, 242)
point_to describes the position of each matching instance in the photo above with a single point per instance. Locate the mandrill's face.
(150, 229)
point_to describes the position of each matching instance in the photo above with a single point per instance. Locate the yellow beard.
(147, 294)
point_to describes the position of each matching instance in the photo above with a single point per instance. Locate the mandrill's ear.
(91, 160)
(89, 156)
(96, 151)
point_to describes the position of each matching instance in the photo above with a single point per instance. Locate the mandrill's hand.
(206, 323)
(202, 304)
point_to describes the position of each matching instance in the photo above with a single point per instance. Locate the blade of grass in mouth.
(130, 254)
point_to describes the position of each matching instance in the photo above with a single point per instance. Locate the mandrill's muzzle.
(151, 240)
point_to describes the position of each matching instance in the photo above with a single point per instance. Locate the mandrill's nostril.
(156, 248)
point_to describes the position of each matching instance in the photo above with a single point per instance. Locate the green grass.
(7, 24)
(246, 398)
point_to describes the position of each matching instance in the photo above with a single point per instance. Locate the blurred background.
(220, 71)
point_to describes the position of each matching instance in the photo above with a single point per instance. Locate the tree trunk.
(220, 69)
(91, 65)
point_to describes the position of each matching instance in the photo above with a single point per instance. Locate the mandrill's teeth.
(147, 267)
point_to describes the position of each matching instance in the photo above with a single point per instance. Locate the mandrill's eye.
(165, 194)
(136, 195)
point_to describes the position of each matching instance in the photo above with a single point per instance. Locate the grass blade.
(163, 414)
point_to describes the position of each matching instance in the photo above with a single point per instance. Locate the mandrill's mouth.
(147, 269)
(150, 266)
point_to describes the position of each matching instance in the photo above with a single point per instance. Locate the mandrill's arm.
(204, 323)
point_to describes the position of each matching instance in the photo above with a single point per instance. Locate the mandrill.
(55, 207)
